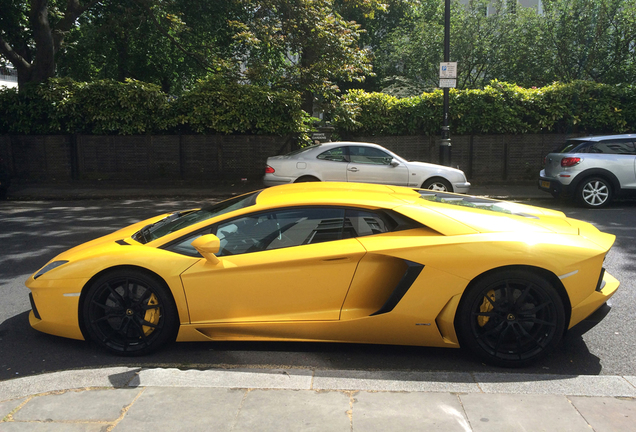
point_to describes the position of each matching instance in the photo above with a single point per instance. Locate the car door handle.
(353, 169)
(336, 259)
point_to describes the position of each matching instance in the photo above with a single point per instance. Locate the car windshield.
(180, 220)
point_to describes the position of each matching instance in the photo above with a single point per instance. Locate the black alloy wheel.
(129, 313)
(511, 318)
(437, 184)
(594, 192)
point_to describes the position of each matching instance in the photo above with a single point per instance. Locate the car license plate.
(545, 184)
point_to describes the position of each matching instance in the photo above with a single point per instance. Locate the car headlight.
(49, 267)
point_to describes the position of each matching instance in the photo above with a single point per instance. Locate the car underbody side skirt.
(412, 272)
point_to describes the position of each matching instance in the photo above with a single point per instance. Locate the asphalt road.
(32, 232)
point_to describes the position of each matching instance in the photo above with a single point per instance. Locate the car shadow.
(26, 352)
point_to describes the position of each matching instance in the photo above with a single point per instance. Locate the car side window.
(360, 223)
(279, 229)
(613, 147)
(338, 154)
(288, 228)
(369, 155)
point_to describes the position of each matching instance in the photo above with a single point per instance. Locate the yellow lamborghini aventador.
(336, 262)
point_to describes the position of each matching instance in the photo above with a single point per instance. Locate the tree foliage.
(569, 40)
(301, 45)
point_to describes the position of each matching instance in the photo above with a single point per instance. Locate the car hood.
(414, 165)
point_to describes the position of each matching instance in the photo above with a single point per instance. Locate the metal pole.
(445, 144)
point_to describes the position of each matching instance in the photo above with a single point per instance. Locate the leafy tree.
(301, 45)
(591, 40)
(169, 43)
(31, 34)
(570, 40)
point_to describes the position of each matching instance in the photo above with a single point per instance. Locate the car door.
(372, 165)
(283, 265)
(332, 164)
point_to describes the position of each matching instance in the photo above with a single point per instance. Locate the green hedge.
(216, 105)
(62, 106)
(500, 108)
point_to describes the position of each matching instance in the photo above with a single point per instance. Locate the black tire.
(594, 192)
(129, 313)
(437, 184)
(306, 179)
(510, 318)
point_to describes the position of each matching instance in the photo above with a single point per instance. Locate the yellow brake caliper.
(486, 306)
(152, 315)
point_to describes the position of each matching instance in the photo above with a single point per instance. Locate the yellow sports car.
(333, 262)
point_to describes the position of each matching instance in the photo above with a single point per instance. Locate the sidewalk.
(94, 190)
(130, 399)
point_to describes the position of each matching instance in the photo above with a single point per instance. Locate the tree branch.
(73, 11)
(16, 59)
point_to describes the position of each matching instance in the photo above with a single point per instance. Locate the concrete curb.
(319, 379)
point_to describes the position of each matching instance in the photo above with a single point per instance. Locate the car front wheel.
(437, 184)
(594, 192)
(129, 313)
(510, 318)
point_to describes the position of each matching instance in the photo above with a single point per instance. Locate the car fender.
(596, 172)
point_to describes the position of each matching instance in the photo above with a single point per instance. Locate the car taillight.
(570, 161)
(269, 170)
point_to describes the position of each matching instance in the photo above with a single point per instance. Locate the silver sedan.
(363, 163)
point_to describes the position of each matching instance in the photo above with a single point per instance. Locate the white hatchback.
(362, 163)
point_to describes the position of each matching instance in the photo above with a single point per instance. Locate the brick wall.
(200, 158)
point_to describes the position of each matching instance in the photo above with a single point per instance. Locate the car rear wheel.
(437, 184)
(129, 313)
(510, 318)
(594, 192)
(305, 179)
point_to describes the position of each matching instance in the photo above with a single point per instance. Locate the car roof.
(341, 143)
(604, 137)
(334, 193)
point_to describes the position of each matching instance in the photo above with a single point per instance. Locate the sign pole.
(446, 76)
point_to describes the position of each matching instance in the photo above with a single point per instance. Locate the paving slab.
(499, 412)
(607, 414)
(51, 427)
(575, 385)
(414, 412)
(107, 377)
(455, 382)
(89, 405)
(294, 410)
(175, 409)
(8, 406)
(229, 378)
(631, 380)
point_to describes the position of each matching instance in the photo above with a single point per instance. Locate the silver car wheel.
(595, 192)
(437, 184)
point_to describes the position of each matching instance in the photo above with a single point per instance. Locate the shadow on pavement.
(25, 352)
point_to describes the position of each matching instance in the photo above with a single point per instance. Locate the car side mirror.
(208, 245)
(394, 162)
